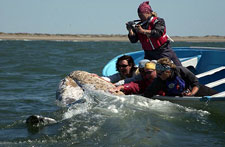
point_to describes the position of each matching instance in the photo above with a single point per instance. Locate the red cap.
(144, 7)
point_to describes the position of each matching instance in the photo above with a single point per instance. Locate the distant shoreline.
(88, 37)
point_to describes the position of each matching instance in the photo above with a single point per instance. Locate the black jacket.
(160, 85)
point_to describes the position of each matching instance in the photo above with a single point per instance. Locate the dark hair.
(130, 61)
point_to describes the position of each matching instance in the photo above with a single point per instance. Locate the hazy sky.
(183, 17)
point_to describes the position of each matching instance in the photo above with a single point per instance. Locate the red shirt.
(137, 87)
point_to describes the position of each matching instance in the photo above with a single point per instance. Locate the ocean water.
(30, 72)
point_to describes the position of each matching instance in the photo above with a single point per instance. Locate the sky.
(182, 17)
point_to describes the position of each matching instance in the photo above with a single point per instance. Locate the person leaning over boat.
(176, 81)
(138, 87)
(126, 69)
(138, 74)
(151, 32)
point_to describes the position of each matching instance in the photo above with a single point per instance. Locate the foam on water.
(134, 110)
(112, 105)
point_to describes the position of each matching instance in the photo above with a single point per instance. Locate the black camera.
(134, 23)
(131, 24)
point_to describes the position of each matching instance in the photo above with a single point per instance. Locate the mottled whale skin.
(71, 87)
(71, 91)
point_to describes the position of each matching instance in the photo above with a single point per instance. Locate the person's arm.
(191, 80)
(132, 35)
(120, 82)
(131, 88)
(135, 78)
(192, 92)
(106, 79)
(113, 78)
(154, 88)
(117, 89)
(156, 32)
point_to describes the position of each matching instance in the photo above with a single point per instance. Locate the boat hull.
(211, 104)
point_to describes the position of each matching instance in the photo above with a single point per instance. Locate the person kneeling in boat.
(176, 81)
(138, 87)
(126, 69)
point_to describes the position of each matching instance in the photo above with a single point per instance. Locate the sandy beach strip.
(85, 37)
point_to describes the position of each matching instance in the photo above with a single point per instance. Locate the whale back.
(83, 77)
(71, 87)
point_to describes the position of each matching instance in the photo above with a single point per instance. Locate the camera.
(134, 23)
(131, 24)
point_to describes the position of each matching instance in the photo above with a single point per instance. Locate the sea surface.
(30, 72)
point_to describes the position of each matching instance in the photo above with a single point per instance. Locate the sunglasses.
(123, 65)
(162, 68)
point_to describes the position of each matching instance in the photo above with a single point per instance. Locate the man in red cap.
(151, 32)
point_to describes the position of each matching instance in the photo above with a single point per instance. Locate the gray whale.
(71, 88)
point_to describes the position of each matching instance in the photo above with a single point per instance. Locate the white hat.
(142, 63)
